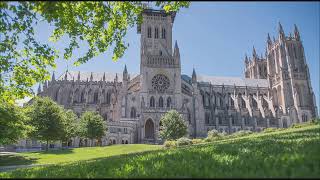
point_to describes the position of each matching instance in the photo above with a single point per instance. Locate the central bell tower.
(160, 67)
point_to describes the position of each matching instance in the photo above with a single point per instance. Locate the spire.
(194, 76)
(66, 75)
(254, 53)
(281, 32)
(246, 59)
(53, 77)
(125, 69)
(176, 50)
(45, 86)
(91, 77)
(296, 33)
(104, 76)
(39, 88)
(269, 42)
(125, 74)
(79, 75)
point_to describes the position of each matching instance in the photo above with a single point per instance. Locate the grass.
(71, 155)
(287, 153)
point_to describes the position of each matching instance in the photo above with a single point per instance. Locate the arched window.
(160, 102)
(152, 104)
(156, 33)
(133, 113)
(189, 116)
(82, 96)
(103, 96)
(231, 102)
(89, 95)
(168, 102)
(233, 120)
(243, 103)
(108, 97)
(149, 32)
(56, 95)
(207, 118)
(95, 97)
(163, 33)
(76, 96)
(221, 102)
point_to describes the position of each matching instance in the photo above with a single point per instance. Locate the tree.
(48, 120)
(71, 126)
(92, 126)
(173, 126)
(24, 60)
(12, 123)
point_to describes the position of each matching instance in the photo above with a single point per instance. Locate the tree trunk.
(47, 145)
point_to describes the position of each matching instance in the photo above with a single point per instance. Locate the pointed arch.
(133, 112)
(169, 102)
(160, 101)
(152, 102)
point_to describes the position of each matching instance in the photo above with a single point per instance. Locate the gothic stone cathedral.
(276, 90)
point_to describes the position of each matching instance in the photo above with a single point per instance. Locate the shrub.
(241, 133)
(173, 126)
(267, 130)
(197, 141)
(184, 141)
(214, 135)
(169, 144)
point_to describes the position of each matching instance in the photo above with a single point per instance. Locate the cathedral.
(275, 91)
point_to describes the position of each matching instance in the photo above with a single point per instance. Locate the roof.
(96, 76)
(231, 81)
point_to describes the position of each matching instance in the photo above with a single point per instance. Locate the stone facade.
(276, 90)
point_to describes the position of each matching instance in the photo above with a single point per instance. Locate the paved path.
(10, 168)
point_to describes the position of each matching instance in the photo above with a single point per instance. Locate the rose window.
(160, 83)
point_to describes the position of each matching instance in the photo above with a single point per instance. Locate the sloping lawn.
(288, 153)
(71, 155)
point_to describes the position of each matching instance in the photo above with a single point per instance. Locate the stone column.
(254, 123)
(268, 122)
(217, 123)
(242, 123)
(230, 124)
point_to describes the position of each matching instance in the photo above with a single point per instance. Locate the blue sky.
(213, 37)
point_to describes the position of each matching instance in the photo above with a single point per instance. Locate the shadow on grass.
(57, 151)
(281, 155)
(16, 159)
(292, 154)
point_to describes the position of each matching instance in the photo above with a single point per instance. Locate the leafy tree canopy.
(24, 60)
(92, 125)
(12, 123)
(173, 126)
(47, 119)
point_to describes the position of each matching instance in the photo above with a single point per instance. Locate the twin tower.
(285, 68)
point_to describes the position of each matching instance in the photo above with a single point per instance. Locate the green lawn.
(288, 153)
(71, 155)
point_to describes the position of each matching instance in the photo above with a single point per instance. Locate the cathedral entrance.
(149, 129)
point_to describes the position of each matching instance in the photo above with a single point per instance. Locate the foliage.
(241, 133)
(92, 125)
(291, 153)
(214, 135)
(48, 120)
(183, 141)
(197, 141)
(12, 123)
(173, 126)
(24, 60)
(71, 125)
(168, 144)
